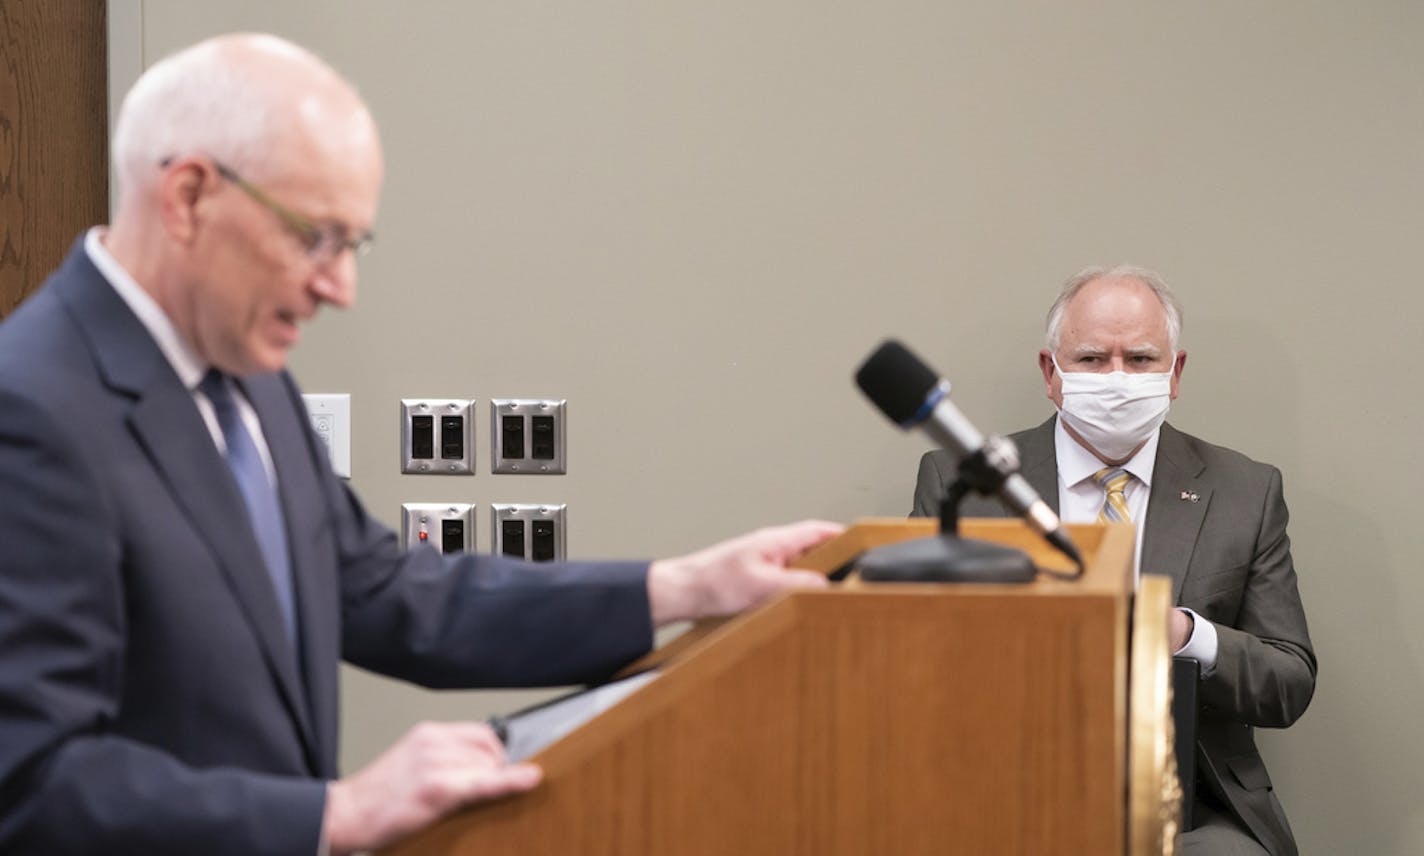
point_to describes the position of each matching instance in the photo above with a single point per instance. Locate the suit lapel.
(178, 444)
(1173, 521)
(289, 441)
(1038, 461)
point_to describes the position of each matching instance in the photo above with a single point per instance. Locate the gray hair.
(1150, 278)
(202, 100)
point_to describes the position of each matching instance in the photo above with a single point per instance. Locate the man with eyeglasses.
(179, 569)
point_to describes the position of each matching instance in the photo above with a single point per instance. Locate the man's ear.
(1177, 365)
(1045, 365)
(181, 192)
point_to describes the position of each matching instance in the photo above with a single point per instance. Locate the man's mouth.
(290, 327)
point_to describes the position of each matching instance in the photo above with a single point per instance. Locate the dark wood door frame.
(54, 177)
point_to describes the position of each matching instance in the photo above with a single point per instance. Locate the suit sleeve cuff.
(322, 847)
(1201, 645)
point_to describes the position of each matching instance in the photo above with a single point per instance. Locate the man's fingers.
(802, 579)
(479, 736)
(477, 783)
(514, 779)
(442, 743)
(796, 538)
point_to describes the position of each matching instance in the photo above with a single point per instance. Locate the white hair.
(1150, 278)
(203, 100)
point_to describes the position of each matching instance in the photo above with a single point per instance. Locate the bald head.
(249, 174)
(1149, 280)
(251, 101)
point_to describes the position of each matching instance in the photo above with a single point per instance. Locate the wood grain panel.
(54, 180)
(875, 718)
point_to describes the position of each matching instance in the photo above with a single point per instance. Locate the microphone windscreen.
(896, 381)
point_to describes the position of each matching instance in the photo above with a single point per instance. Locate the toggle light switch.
(453, 534)
(452, 438)
(510, 540)
(422, 437)
(542, 438)
(543, 543)
(511, 437)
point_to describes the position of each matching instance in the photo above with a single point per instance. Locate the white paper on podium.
(528, 732)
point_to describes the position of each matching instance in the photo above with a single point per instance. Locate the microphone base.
(946, 559)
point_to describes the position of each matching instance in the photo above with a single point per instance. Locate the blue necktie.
(263, 507)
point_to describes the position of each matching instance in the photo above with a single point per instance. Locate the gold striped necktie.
(1113, 481)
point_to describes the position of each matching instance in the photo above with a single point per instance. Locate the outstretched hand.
(438, 767)
(735, 574)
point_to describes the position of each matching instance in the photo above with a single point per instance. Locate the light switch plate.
(538, 444)
(539, 543)
(428, 517)
(440, 436)
(331, 419)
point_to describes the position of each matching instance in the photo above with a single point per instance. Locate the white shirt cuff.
(1201, 645)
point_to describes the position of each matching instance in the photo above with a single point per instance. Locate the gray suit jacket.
(150, 700)
(1229, 559)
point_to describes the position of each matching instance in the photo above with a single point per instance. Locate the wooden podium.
(877, 719)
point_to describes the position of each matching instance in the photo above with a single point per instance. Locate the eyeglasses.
(322, 242)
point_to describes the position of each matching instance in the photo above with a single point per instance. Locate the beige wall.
(721, 207)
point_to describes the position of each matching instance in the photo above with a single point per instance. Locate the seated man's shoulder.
(1032, 445)
(1224, 464)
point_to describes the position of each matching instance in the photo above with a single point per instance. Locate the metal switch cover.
(534, 532)
(528, 436)
(438, 436)
(447, 526)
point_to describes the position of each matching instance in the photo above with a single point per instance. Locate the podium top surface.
(1107, 552)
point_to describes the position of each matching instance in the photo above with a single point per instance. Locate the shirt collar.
(180, 355)
(1077, 464)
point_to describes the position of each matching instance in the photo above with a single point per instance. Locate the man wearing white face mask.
(1211, 519)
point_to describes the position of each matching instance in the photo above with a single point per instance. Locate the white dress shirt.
(180, 355)
(1080, 499)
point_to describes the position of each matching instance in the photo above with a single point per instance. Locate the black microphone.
(911, 394)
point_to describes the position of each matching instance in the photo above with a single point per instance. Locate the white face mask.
(1114, 412)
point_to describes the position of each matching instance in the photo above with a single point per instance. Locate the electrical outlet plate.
(550, 546)
(531, 451)
(427, 517)
(441, 440)
(330, 417)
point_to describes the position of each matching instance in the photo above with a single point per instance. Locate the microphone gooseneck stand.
(947, 557)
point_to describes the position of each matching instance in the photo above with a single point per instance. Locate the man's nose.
(335, 281)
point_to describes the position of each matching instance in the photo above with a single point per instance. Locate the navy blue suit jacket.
(150, 701)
